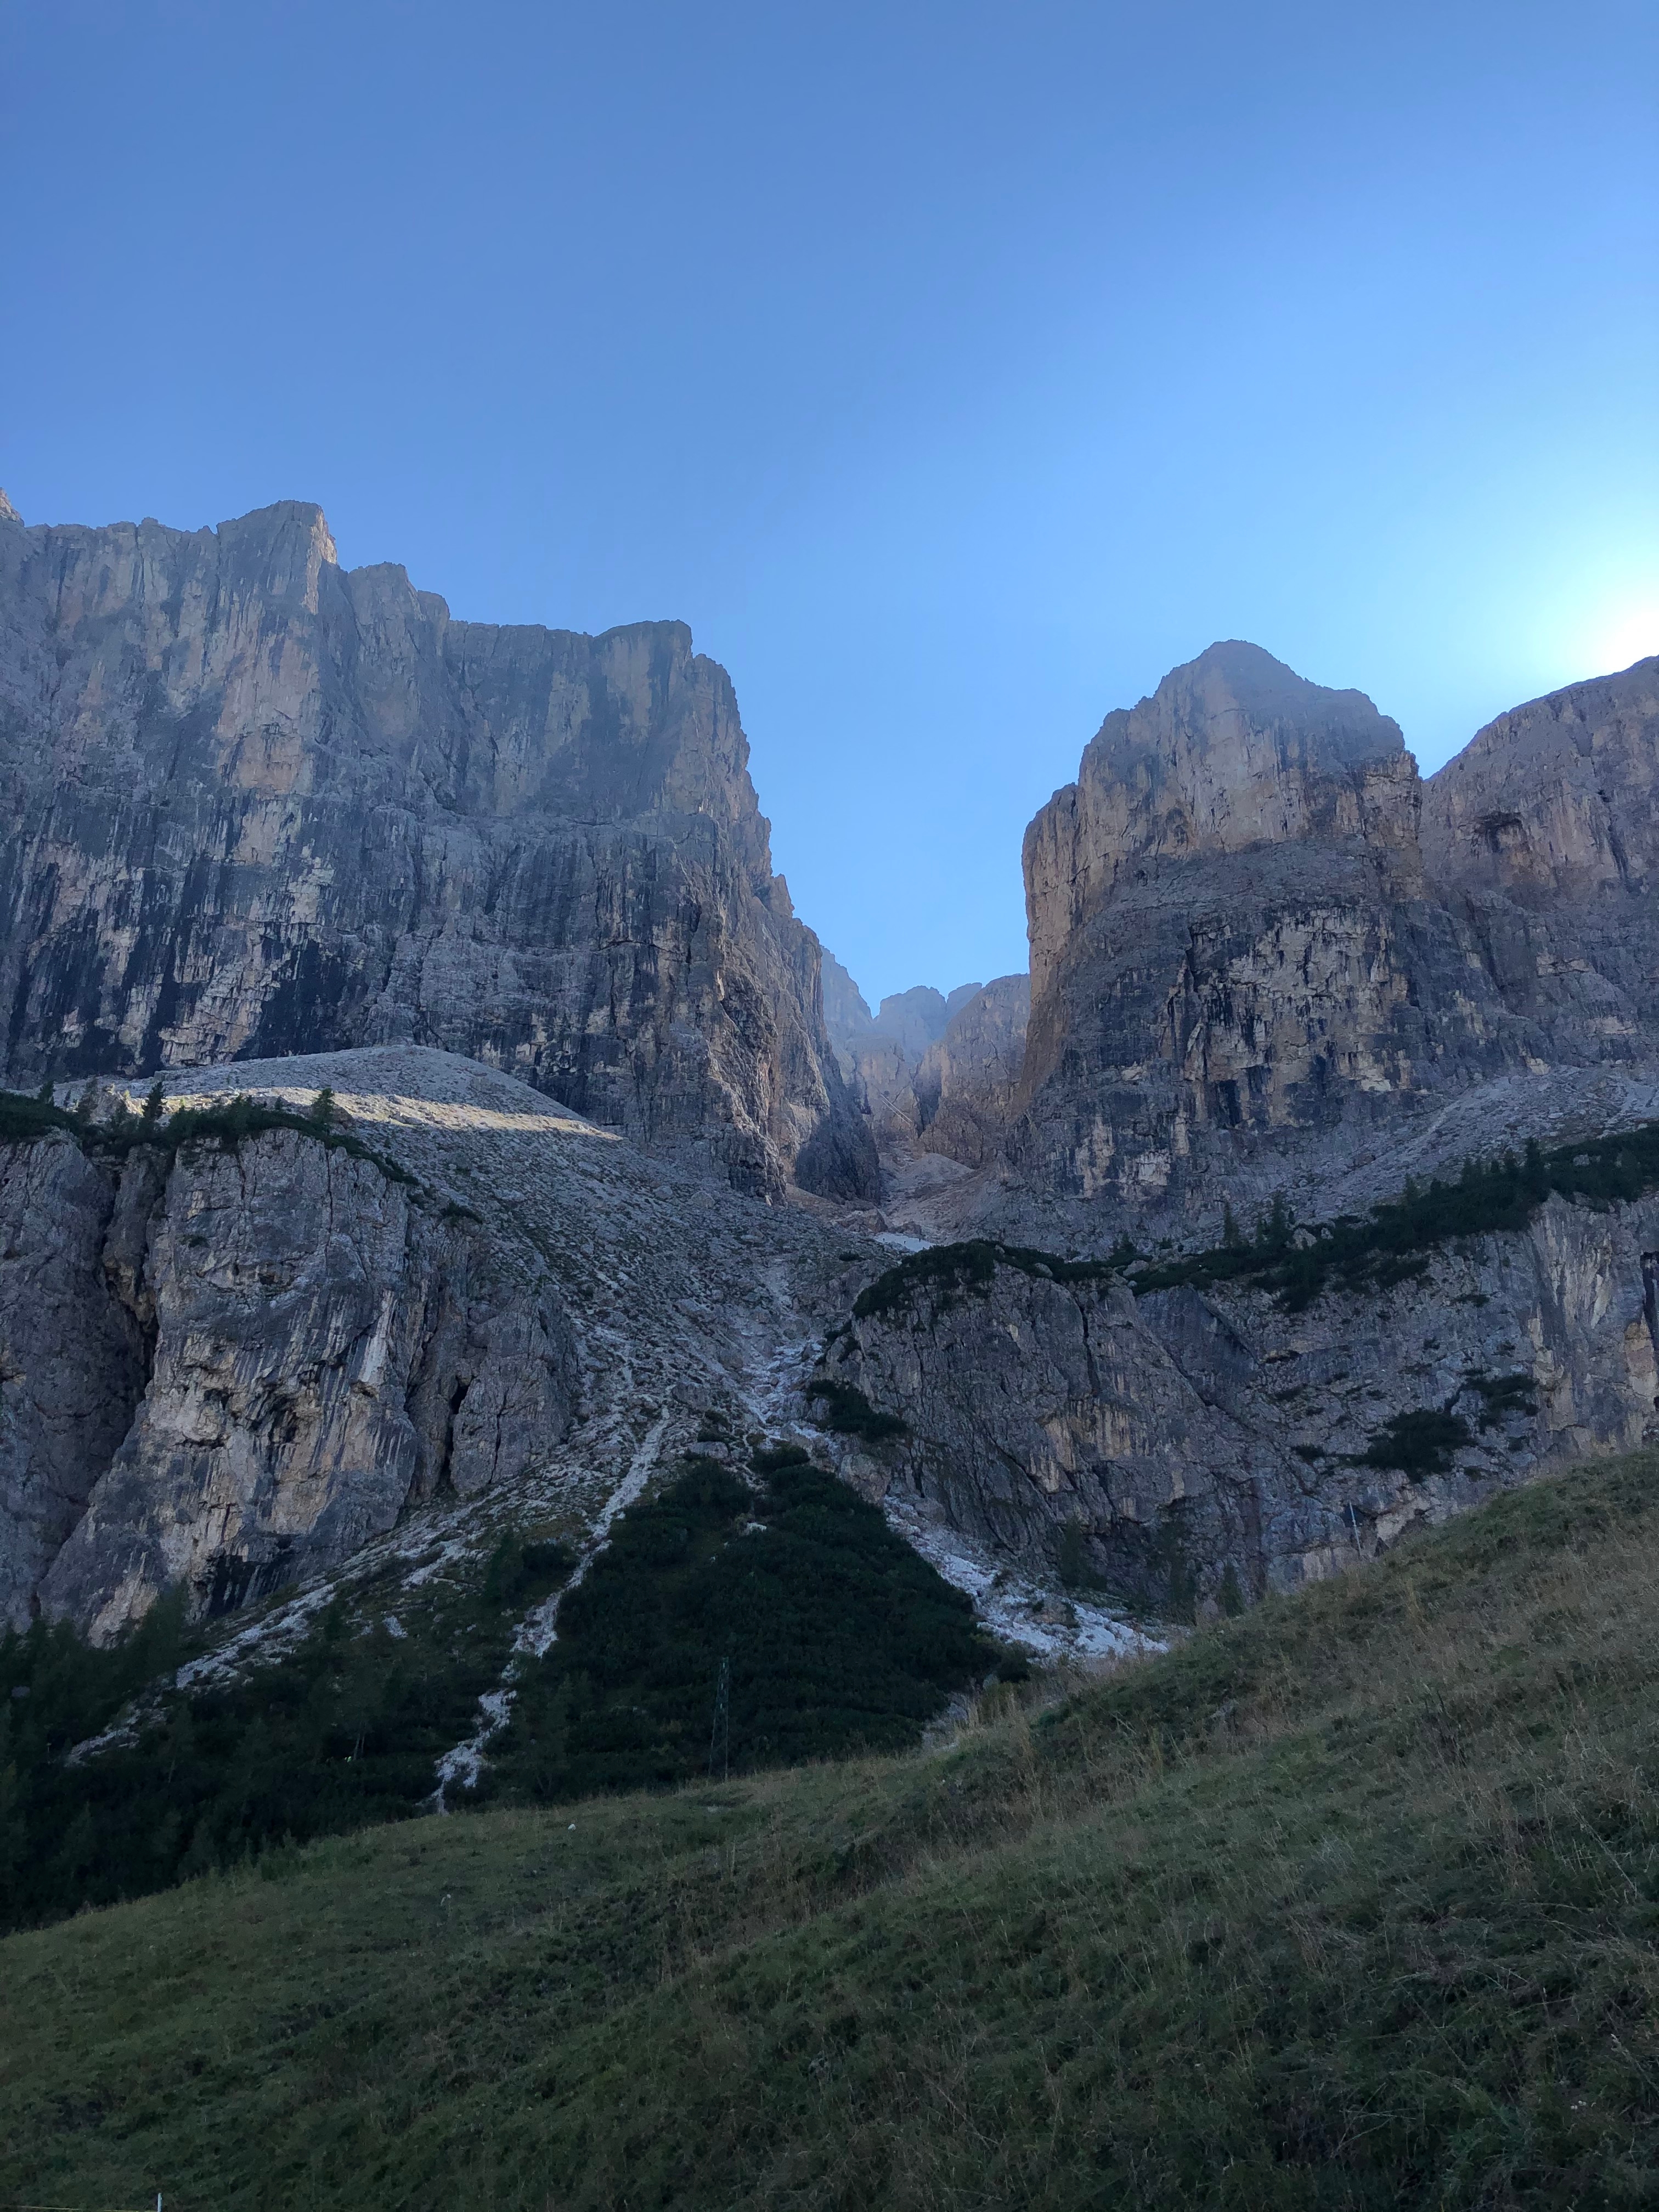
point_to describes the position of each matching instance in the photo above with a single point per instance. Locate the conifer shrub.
(850, 1413)
(343, 1733)
(839, 1636)
(1419, 1442)
(1394, 1243)
(24, 1120)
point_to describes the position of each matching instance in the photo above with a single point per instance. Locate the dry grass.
(1351, 1902)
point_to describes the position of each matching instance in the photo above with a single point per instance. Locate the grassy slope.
(1350, 1902)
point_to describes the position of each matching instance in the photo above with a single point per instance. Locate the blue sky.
(954, 370)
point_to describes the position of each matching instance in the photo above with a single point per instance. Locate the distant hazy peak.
(846, 1016)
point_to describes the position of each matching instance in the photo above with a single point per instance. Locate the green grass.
(1349, 1902)
(839, 1637)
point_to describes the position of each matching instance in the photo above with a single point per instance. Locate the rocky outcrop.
(967, 1081)
(1183, 1446)
(292, 1350)
(933, 1072)
(262, 805)
(229, 1360)
(1258, 945)
(1543, 837)
(75, 1349)
(847, 1016)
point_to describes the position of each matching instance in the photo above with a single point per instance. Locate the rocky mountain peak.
(1232, 751)
(265, 805)
(8, 511)
(1555, 800)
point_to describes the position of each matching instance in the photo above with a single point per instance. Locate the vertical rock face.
(1543, 836)
(966, 1084)
(845, 1015)
(1253, 936)
(1231, 752)
(932, 1071)
(1178, 1440)
(262, 805)
(236, 1347)
(73, 1352)
(234, 1366)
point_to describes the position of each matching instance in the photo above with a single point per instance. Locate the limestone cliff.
(263, 804)
(1543, 837)
(932, 1071)
(229, 1361)
(966, 1081)
(1257, 944)
(256, 1357)
(1179, 1444)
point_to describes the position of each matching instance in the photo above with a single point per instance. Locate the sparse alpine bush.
(1419, 1442)
(850, 1413)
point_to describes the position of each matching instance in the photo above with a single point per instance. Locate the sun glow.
(1630, 634)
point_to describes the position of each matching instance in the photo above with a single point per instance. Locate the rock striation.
(933, 1073)
(966, 1082)
(1184, 1446)
(262, 805)
(230, 1362)
(1258, 942)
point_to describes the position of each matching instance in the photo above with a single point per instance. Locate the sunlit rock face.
(1255, 936)
(262, 805)
(1543, 835)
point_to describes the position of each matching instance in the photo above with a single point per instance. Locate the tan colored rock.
(1243, 970)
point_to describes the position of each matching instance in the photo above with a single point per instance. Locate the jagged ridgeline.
(125, 1770)
(24, 1120)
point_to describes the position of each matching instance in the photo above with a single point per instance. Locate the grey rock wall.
(1260, 945)
(1167, 1441)
(232, 1367)
(76, 1326)
(264, 806)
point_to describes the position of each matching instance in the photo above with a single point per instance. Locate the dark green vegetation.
(23, 1119)
(1350, 1902)
(949, 1271)
(1390, 1245)
(1418, 1442)
(850, 1413)
(839, 1638)
(345, 1731)
(1426, 1440)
